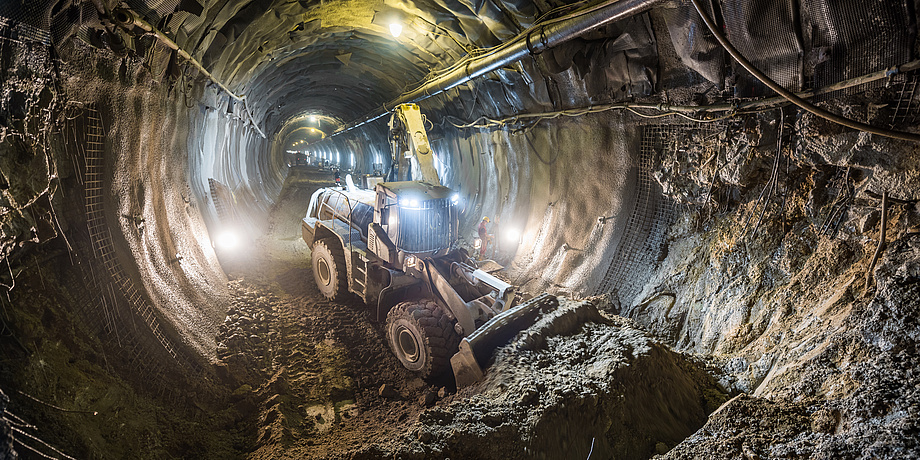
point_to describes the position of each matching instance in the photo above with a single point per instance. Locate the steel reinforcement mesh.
(98, 298)
(767, 34)
(45, 21)
(634, 259)
(855, 37)
(25, 20)
(104, 252)
(637, 256)
(905, 105)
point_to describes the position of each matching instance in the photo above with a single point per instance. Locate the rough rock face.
(28, 173)
(767, 275)
(857, 395)
(6, 433)
(575, 384)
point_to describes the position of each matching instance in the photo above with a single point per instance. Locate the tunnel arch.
(632, 164)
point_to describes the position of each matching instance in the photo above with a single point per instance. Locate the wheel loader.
(396, 248)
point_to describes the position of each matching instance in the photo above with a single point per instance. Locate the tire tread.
(441, 340)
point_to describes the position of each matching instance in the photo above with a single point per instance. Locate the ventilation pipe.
(532, 41)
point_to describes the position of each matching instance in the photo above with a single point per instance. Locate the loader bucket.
(476, 349)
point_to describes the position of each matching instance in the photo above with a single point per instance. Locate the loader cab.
(416, 218)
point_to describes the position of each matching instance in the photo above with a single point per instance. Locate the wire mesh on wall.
(46, 21)
(634, 259)
(23, 20)
(906, 101)
(768, 34)
(640, 249)
(855, 37)
(118, 289)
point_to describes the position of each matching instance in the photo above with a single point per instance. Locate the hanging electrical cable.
(684, 111)
(790, 96)
(127, 19)
(534, 40)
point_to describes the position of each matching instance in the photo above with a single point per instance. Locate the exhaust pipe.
(533, 41)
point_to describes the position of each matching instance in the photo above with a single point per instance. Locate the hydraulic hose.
(791, 97)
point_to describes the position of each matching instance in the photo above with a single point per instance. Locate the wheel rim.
(408, 344)
(325, 274)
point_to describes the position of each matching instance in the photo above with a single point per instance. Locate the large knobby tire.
(422, 337)
(329, 269)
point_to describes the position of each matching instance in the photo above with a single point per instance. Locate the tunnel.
(652, 229)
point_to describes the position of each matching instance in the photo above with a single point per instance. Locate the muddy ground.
(315, 379)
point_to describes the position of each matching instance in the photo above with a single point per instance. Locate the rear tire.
(329, 269)
(422, 337)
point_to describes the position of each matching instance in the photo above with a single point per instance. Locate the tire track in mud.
(317, 367)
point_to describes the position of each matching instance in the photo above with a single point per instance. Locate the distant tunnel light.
(396, 29)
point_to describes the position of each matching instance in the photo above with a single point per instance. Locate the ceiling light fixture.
(395, 29)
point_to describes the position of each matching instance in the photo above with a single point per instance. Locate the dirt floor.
(306, 372)
(315, 379)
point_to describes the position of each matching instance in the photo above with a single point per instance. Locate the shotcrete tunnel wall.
(156, 227)
(779, 303)
(553, 180)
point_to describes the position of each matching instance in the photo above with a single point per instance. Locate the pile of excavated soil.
(574, 385)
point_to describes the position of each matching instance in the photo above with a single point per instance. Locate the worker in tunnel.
(484, 236)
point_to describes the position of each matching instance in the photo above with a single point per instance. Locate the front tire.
(422, 337)
(329, 269)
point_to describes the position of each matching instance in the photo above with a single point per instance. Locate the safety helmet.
(485, 219)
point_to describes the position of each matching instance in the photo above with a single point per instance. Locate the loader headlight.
(409, 202)
(226, 241)
(477, 243)
(511, 236)
(455, 198)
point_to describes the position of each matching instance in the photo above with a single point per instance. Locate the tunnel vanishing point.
(713, 202)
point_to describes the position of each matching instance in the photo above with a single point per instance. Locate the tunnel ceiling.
(337, 58)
